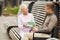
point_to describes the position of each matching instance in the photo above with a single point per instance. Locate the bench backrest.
(39, 13)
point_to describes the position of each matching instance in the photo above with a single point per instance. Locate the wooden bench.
(39, 13)
(12, 31)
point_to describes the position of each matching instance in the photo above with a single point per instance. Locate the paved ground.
(3, 34)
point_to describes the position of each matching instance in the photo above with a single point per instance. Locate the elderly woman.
(23, 20)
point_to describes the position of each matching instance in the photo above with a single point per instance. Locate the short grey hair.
(23, 5)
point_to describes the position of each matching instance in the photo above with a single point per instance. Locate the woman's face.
(24, 10)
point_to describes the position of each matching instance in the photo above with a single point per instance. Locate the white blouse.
(22, 19)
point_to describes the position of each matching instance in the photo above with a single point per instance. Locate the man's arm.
(51, 24)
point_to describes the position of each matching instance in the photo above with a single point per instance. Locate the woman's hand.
(25, 25)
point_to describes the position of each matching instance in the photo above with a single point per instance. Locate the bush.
(10, 10)
(15, 10)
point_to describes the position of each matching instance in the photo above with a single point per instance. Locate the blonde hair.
(23, 5)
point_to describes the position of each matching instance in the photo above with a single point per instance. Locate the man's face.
(48, 10)
(24, 10)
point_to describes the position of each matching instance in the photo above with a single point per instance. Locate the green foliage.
(13, 10)
(8, 10)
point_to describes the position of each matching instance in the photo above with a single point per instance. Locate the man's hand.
(34, 29)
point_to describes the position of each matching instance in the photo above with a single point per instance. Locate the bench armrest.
(46, 32)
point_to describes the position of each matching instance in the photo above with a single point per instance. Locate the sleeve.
(33, 20)
(52, 23)
(19, 22)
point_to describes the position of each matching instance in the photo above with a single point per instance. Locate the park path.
(3, 19)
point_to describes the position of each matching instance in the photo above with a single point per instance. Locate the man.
(51, 18)
(49, 24)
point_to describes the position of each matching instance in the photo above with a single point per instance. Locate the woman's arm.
(19, 22)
